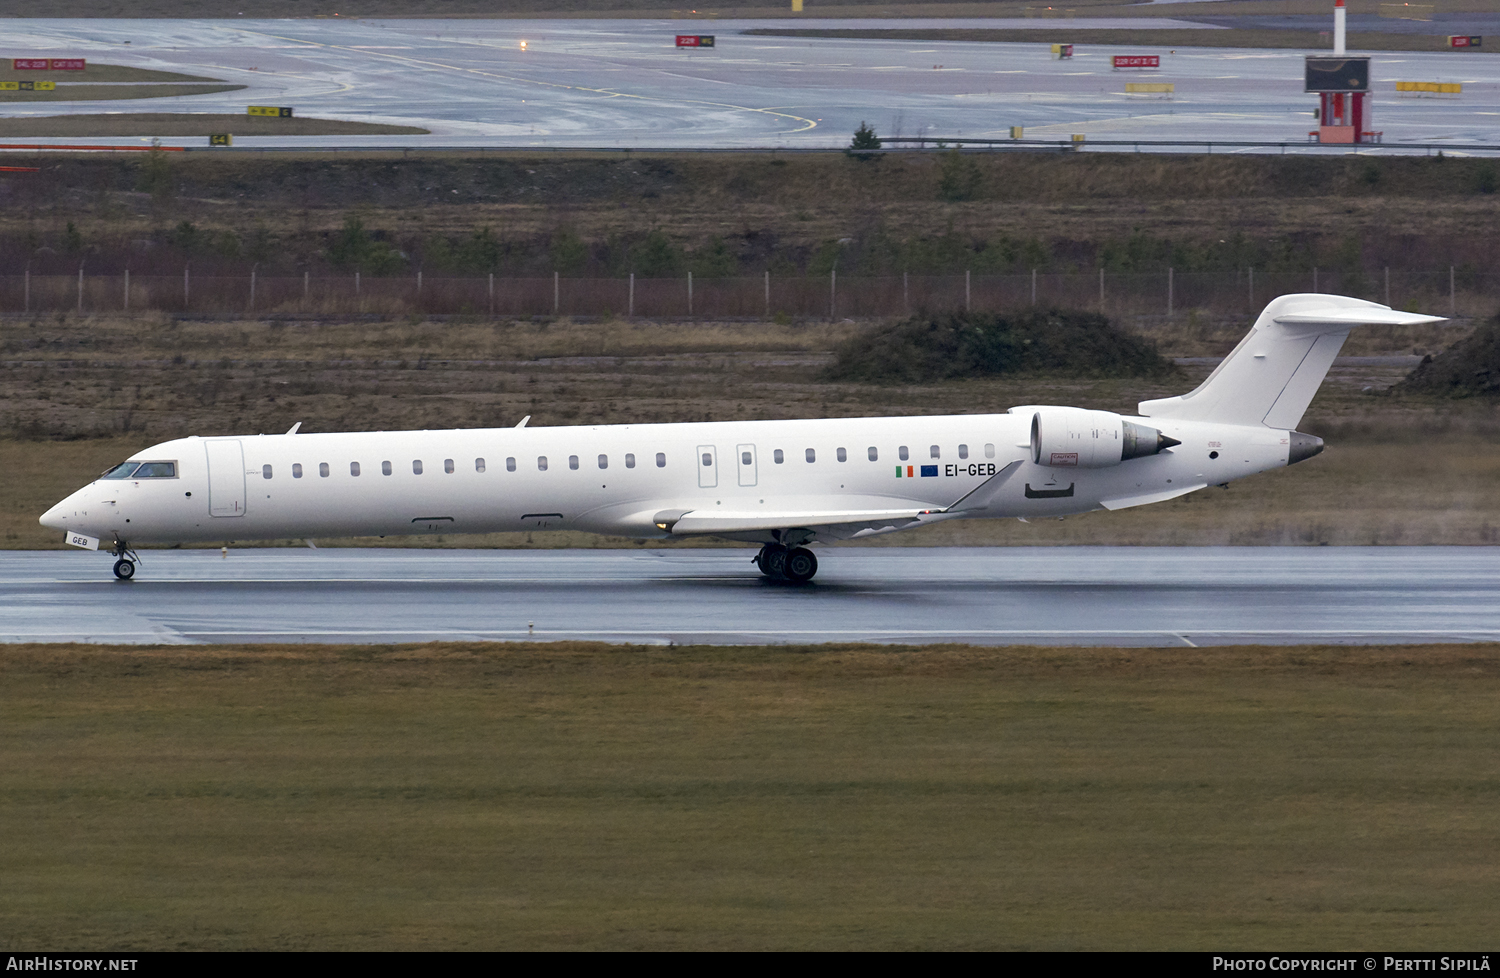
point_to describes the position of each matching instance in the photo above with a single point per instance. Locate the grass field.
(190, 124)
(95, 72)
(838, 797)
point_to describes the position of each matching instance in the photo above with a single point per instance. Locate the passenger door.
(746, 467)
(226, 477)
(708, 467)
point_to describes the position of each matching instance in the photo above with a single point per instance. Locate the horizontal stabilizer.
(1271, 377)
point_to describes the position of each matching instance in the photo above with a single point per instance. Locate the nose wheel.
(124, 569)
(779, 563)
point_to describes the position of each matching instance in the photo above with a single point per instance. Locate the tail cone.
(1302, 447)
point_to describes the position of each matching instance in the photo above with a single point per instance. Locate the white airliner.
(784, 484)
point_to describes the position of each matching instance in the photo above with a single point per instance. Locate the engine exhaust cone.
(1141, 441)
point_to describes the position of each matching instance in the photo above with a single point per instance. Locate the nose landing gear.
(125, 560)
(779, 563)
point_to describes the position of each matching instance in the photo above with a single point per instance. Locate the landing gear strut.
(124, 566)
(779, 563)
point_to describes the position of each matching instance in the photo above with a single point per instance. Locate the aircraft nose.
(56, 518)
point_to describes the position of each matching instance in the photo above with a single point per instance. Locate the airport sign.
(273, 111)
(695, 40)
(1136, 61)
(221, 139)
(1337, 75)
(1465, 41)
(28, 86)
(48, 64)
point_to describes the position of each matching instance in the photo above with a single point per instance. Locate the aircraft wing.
(705, 523)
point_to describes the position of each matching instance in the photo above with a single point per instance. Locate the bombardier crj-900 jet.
(783, 484)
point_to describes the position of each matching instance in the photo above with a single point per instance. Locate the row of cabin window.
(510, 465)
(874, 454)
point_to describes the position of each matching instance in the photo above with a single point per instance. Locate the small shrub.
(1051, 342)
(960, 178)
(864, 144)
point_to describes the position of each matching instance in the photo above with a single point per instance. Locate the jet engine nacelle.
(1073, 437)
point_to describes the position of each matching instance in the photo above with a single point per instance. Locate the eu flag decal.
(929, 471)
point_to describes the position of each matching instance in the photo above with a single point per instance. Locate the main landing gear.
(779, 563)
(124, 565)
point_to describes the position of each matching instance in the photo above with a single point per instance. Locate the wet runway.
(623, 84)
(1072, 595)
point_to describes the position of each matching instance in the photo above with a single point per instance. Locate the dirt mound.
(1052, 342)
(1468, 368)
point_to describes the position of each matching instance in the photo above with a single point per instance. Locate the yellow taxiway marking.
(806, 123)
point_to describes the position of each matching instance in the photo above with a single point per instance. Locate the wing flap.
(698, 522)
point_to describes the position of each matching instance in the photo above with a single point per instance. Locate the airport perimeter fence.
(1445, 291)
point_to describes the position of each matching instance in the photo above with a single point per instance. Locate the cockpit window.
(121, 471)
(156, 470)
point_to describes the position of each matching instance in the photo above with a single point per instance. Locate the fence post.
(1171, 289)
(768, 293)
(1387, 285)
(968, 297)
(1252, 286)
(492, 293)
(185, 293)
(127, 290)
(80, 290)
(690, 294)
(419, 288)
(833, 293)
(1101, 290)
(1033, 286)
(252, 288)
(1452, 293)
(356, 281)
(556, 293)
(306, 282)
(906, 291)
(28, 287)
(630, 306)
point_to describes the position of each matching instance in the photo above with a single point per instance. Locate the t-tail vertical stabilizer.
(1271, 377)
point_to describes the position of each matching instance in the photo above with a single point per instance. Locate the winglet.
(293, 429)
(523, 421)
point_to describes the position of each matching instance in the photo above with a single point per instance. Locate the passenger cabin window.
(573, 461)
(416, 466)
(479, 464)
(510, 464)
(744, 458)
(603, 461)
(448, 465)
(842, 455)
(963, 451)
(778, 456)
(902, 453)
(989, 451)
(661, 460)
(354, 468)
(296, 470)
(323, 469)
(629, 460)
(265, 471)
(385, 468)
(708, 459)
(121, 471)
(936, 452)
(812, 456)
(541, 463)
(874, 455)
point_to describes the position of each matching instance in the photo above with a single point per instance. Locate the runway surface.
(622, 83)
(993, 596)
